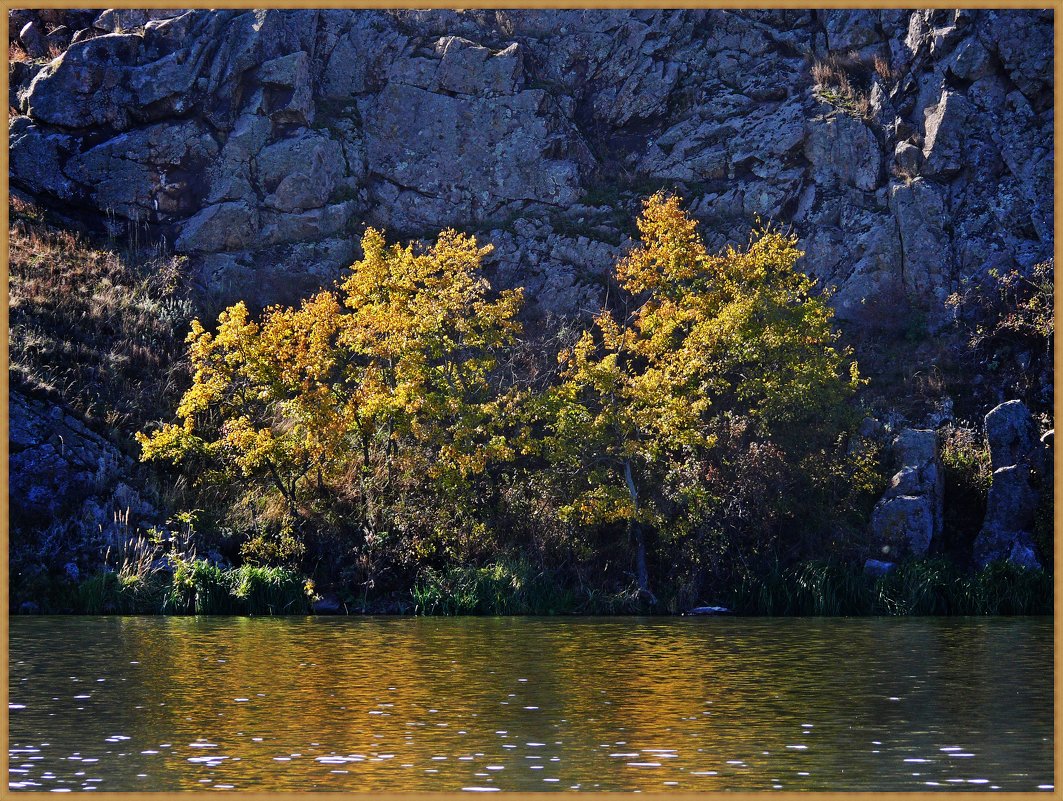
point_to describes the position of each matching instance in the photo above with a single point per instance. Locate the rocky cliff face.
(910, 150)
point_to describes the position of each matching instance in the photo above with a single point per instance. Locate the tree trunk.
(642, 572)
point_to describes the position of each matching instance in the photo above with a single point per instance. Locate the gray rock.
(65, 488)
(117, 20)
(1012, 499)
(82, 35)
(708, 611)
(473, 156)
(842, 148)
(916, 447)
(910, 513)
(230, 176)
(903, 526)
(308, 225)
(970, 61)
(946, 126)
(1012, 436)
(1024, 43)
(33, 40)
(852, 29)
(468, 68)
(876, 568)
(996, 545)
(1017, 455)
(149, 172)
(926, 265)
(290, 97)
(300, 172)
(908, 159)
(224, 226)
(424, 119)
(80, 89)
(37, 157)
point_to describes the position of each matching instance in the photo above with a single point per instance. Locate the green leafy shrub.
(269, 590)
(199, 587)
(110, 593)
(500, 588)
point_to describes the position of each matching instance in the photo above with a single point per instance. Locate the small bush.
(108, 593)
(199, 587)
(1002, 588)
(16, 53)
(925, 587)
(1008, 320)
(819, 588)
(501, 588)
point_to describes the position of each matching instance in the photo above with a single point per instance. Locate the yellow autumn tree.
(389, 374)
(704, 341)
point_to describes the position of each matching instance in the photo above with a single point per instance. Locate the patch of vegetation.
(1008, 320)
(968, 476)
(843, 82)
(918, 587)
(500, 588)
(99, 330)
(696, 440)
(384, 419)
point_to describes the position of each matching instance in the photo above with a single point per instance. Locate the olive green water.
(530, 704)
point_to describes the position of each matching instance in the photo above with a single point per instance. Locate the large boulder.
(1019, 460)
(908, 517)
(1013, 436)
(33, 39)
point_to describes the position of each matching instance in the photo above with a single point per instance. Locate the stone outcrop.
(1019, 459)
(68, 492)
(261, 142)
(908, 517)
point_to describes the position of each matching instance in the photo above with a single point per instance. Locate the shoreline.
(929, 587)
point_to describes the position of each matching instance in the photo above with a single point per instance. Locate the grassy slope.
(96, 329)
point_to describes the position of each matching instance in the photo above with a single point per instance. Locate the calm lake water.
(530, 704)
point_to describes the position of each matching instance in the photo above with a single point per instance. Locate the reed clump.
(932, 586)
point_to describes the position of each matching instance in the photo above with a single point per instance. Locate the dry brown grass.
(15, 52)
(98, 331)
(835, 83)
(883, 68)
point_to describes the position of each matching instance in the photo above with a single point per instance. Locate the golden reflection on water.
(530, 703)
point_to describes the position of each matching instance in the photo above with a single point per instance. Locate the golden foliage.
(392, 370)
(711, 339)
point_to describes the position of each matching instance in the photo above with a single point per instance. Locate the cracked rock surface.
(260, 142)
